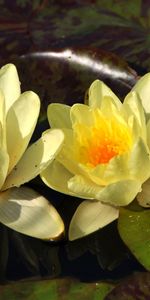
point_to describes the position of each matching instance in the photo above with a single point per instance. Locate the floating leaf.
(65, 289)
(134, 229)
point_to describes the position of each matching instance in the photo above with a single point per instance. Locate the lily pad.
(134, 229)
(65, 289)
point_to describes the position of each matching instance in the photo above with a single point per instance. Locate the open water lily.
(22, 208)
(105, 157)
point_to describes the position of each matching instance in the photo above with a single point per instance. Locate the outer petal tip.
(142, 88)
(26, 211)
(8, 67)
(9, 84)
(89, 217)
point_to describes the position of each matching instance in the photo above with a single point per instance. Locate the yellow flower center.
(99, 143)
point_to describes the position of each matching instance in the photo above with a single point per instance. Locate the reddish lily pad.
(136, 287)
(122, 28)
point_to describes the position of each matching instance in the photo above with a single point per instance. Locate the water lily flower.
(105, 157)
(21, 208)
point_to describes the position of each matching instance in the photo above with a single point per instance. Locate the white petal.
(36, 158)
(59, 115)
(144, 196)
(9, 84)
(56, 176)
(89, 217)
(26, 211)
(97, 91)
(21, 120)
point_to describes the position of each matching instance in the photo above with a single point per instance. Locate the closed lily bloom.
(21, 208)
(105, 157)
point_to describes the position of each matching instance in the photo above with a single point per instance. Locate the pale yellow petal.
(143, 197)
(95, 174)
(89, 217)
(135, 165)
(120, 193)
(26, 211)
(139, 162)
(20, 124)
(9, 84)
(2, 121)
(116, 170)
(56, 176)
(148, 134)
(83, 187)
(97, 91)
(4, 163)
(67, 155)
(36, 158)
(81, 114)
(4, 158)
(59, 115)
(132, 106)
(109, 108)
(117, 194)
(142, 88)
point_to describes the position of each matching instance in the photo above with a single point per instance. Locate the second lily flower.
(106, 154)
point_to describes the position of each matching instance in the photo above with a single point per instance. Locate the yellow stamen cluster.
(105, 139)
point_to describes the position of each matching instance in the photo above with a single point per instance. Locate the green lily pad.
(64, 289)
(134, 229)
